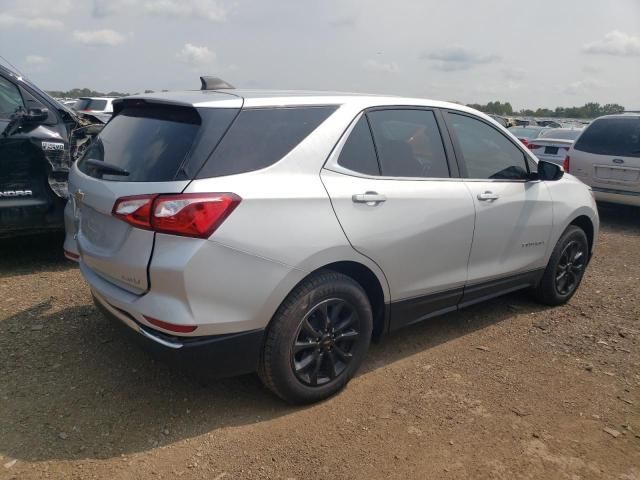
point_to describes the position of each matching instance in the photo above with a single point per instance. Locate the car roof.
(267, 98)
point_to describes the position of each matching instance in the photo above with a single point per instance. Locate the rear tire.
(565, 269)
(317, 339)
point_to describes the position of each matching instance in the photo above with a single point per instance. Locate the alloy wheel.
(570, 268)
(325, 342)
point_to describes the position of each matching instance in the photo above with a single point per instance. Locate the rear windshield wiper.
(107, 168)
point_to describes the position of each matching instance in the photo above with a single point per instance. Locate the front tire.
(565, 269)
(317, 339)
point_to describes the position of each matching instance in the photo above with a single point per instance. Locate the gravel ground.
(504, 390)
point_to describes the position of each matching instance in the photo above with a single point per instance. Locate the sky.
(539, 53)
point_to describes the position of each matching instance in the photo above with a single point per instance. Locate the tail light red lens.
(189, 214)
(135, 210)
(566, 164)
(533, 146)
(192, 214)
(524, 141)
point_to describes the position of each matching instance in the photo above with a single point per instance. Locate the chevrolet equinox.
(281, 232)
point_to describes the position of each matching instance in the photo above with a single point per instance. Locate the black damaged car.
(39, 140)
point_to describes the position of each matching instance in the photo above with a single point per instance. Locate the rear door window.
(612, 136)
(150, 142)
(358, 153)
(408, 143)
(487, 153)
(259, 137)
(10, 98)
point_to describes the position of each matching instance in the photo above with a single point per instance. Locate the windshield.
(90, 104)
(562, 133)
(524, 132)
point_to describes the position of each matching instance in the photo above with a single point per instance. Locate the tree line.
(588, 110)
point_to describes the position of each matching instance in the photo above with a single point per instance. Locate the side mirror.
(36, 115)
(549, 171)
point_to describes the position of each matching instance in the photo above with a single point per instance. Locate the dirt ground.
(503, 390)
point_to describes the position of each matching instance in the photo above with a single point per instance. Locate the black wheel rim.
(570, 268)
(325, 342)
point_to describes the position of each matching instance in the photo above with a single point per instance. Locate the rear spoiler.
(214, 83)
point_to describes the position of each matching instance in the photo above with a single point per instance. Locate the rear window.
(96, 105)
(150, 142)
(259, 137)
(522, 132)
(612, 136)
(561, 134)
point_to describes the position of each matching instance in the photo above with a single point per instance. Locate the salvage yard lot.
(506, 389)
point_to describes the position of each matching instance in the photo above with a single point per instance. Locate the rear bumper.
(617, 196)
(219, 355)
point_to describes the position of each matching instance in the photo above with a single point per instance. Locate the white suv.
(607, 157)
(282, 231)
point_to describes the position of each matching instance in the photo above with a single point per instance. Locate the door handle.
(488, 196)
(370, 198)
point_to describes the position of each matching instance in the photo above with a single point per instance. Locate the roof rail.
(214, 83)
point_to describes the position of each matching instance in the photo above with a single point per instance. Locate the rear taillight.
(189, 214)
(566, 163)
(566, 148)
(135, 210)
(533, 146)
(524, 141)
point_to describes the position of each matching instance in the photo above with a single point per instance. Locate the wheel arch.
(584, 222)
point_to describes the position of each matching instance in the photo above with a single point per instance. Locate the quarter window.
(10, 98)
(259, 137)
(358, 153)
(487, 153)
(409, 143)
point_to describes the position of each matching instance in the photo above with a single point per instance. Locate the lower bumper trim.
(220, 355)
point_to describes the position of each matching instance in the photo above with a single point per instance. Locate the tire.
(570, 255)
(307, 358)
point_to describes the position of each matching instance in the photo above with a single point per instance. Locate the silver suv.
(607, 157)
(283, 231)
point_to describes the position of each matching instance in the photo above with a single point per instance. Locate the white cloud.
(99, 38)
(36, 23)
(211, 10)
(376, 66)
(615, 43)
(106, 8)
(196, 56)
(35, 60)
(41, 8)
(583, 86)
(514, 73)
(452, 59)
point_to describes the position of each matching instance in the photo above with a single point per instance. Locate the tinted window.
(358, 153)
(409, 143)
(562, 133)
(612, 136)
(259, 137)
(10, 98)
(487, 153)
(96, 105)
(524, 132)
(149, 142)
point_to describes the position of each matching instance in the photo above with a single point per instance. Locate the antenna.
(214, 83)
